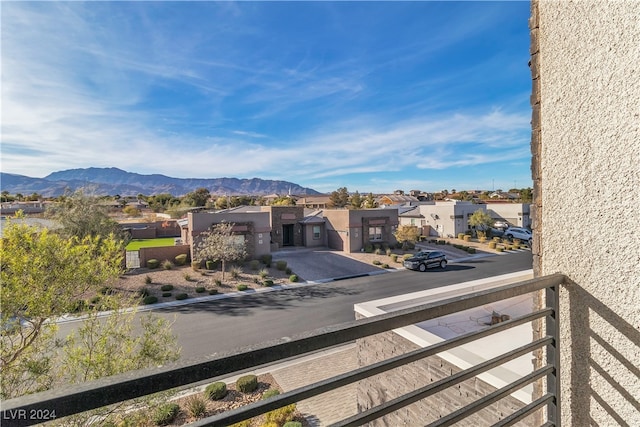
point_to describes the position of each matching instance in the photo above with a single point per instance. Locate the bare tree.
(220, 244)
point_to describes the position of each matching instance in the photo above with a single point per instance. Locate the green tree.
(339, 198)
(81, 215)
(526, 195)
(356, 201)
(220, 244)
(284, 201)
(45, 276)
(481, 221)
(406, 234)
(131, 211)
(221, 203)
(370, 202)
(196, 198)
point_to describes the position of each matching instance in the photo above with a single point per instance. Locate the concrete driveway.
(323, 264)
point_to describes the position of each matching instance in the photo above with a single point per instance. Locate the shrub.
(166, 287)
(268, 282)
(235, 272)
(293, 278)
(482, 239)
(266, 259)
(461, 236)
(281, 265)
(270, 393)
(254, 265)
(153, 263)
(263, 273)
(215, 391)
(376, 262)
(292, 424)
(368, 248)
(471, 250)
(200, 289)
(467, 238)
(182, 296)
(385, 265)
(217, 282)
(196, 406)
(407, 256)
(180, 259)
(388, 251)
(444, 242)
(167, 265)
(95, 300)
(500, 249)
(187, 277)
(242, 287)
(492, 245)
(377, 251)
(210, 264)
(213, 291)
(394, 257)
(165, 414)
(166, 294)
(195, 265)
(287, 271)
(247, 383)
(144, 292)
(281, 415)
(148, 280)
(150, 299)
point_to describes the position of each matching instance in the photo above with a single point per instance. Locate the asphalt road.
(219, 326)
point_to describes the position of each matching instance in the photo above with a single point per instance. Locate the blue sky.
(372, 96)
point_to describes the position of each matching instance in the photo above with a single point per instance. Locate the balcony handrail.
(75, 399)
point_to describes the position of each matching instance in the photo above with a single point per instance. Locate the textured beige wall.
(589, 64)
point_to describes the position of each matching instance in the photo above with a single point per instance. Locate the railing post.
(552, 321)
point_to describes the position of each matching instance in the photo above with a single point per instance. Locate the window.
(375, 234)
(413, 221)
(316, 232)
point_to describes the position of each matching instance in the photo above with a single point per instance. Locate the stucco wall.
(589, 168)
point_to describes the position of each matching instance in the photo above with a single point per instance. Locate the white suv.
(519, 233)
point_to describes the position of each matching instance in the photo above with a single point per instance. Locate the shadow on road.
(277, 300)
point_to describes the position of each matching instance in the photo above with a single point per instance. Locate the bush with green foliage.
(167, 265)
(388, 251)
(368, 248)
(492, 245)
(247, 383)
(166, 414)
(500, 249)
(266, 259)
(385, 265)
(268, 282)
(180, 259)
(200, 289)
(182, 296)
(196, 406)
(471, 250)
(166, 287)
(153, 263)
(461, 236)
(282, 415)
(377, 251)
(394, 257)
(281, 265)
(292, 424)
(242, 287)
(187, 277)
(213, 291)
(376, 262)
(235, 272)
(293, 278)
(215, 391)
(211, 265)
(263, 273)
(166, 294)
(287, 270)
(195, 265)
(270, 393)
(254, 264)
(148, 280)
(150, 299)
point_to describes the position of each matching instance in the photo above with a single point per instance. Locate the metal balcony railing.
(120, 388)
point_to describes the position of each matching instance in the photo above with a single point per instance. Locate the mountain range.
(112, 181)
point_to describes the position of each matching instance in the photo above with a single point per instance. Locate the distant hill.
(112, 181)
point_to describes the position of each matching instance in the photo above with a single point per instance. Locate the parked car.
(519, 233)
(501, 224)
(426, 259)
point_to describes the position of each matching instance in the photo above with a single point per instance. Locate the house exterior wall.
(285, 215)
(162, 253)
(517, 214)
(253, 225)
(309, 240)
(586, 146)
(447, 218)
(348, 229)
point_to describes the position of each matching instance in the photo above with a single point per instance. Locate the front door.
(287, 235)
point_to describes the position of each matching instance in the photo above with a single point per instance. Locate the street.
(219, 326)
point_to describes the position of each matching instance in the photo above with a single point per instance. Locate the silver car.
(519, 233)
